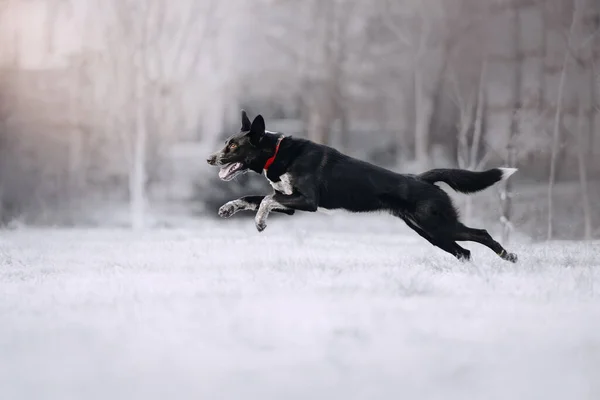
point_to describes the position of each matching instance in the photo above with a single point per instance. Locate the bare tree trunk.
(438, 91)
(404, 135)
(137, 179)
(322, 105)
(423, 103)
(338, 68)
(75, 141)
(583, 179)
(423, 109)
(586, 144)
(76, 170)
(594, 83)
(1, 203)
(344, 128)
(477, 134)
(466, 109)
(466, 121)
(478, 130)
(557, 123)
(75, 160)
(320, 121)
(51, 13)
(593, 106)
(543, 50)
(511, 152)
(554, 156)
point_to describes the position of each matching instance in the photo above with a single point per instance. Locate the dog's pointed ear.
(257, 130)
(258, 125)
(246, 124)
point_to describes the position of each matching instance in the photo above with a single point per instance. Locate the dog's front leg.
(267, 205)
(244, 203)
(282, 203)
(251, 203)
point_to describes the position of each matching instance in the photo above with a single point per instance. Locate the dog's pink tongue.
(224, 171)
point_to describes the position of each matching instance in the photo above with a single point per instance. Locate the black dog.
(307, 176)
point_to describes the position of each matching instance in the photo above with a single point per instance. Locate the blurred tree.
(471, 108)
(156, 51)
(318, 38)
(593, 25)
(587, 106)
(583, 171)
(556, 137)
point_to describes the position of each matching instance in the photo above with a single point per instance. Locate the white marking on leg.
(507, 172)
(266, 206)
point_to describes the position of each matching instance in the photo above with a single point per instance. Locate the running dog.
(307, 176)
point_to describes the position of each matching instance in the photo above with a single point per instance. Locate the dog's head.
(242, 151)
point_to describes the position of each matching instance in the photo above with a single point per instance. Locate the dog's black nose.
(211, 160)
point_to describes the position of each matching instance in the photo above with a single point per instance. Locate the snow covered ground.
(339, 307)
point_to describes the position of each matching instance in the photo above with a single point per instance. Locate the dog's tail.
(464, 181)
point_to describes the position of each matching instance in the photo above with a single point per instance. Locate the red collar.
(272, 159)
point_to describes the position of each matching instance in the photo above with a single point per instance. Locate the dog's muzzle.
(212, 159)
(228, 171)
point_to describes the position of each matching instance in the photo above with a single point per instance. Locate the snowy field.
(338, 307)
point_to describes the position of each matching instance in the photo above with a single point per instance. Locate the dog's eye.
(233, 146)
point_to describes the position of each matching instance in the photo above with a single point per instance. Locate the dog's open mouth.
(230, 171)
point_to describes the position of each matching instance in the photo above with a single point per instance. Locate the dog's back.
(355, 185)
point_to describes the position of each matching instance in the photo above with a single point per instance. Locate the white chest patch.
(284, 185)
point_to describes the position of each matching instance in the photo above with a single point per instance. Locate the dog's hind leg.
(453, 248)
(464, 233)
(448, 246)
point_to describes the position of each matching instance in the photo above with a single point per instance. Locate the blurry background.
(108, 108)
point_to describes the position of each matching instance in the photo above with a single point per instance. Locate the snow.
(315, 307)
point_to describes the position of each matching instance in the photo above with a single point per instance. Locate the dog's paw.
(227, 210)
(464, 256)
(260, 225)
(512, 257)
